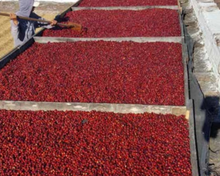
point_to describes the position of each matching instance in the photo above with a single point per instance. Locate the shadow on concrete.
(205, 111)
(210, 106)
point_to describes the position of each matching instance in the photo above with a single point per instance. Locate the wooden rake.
(73, 26)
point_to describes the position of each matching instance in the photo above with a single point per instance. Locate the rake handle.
(30, 19)
(34, 19)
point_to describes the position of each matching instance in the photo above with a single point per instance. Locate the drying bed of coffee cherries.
(121, 23)
(107, 3)
(93, 143)
(98, 72)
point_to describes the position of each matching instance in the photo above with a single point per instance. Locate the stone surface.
(217, 39)
(206, 13)
(205, 77)
(203, 62)
(190, 19)
(214, 163)
(203, 26)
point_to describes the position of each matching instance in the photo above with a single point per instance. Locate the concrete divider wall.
(202, 19)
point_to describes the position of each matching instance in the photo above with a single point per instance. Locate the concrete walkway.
(215, 150)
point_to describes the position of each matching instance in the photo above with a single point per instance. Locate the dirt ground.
(46, 10)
